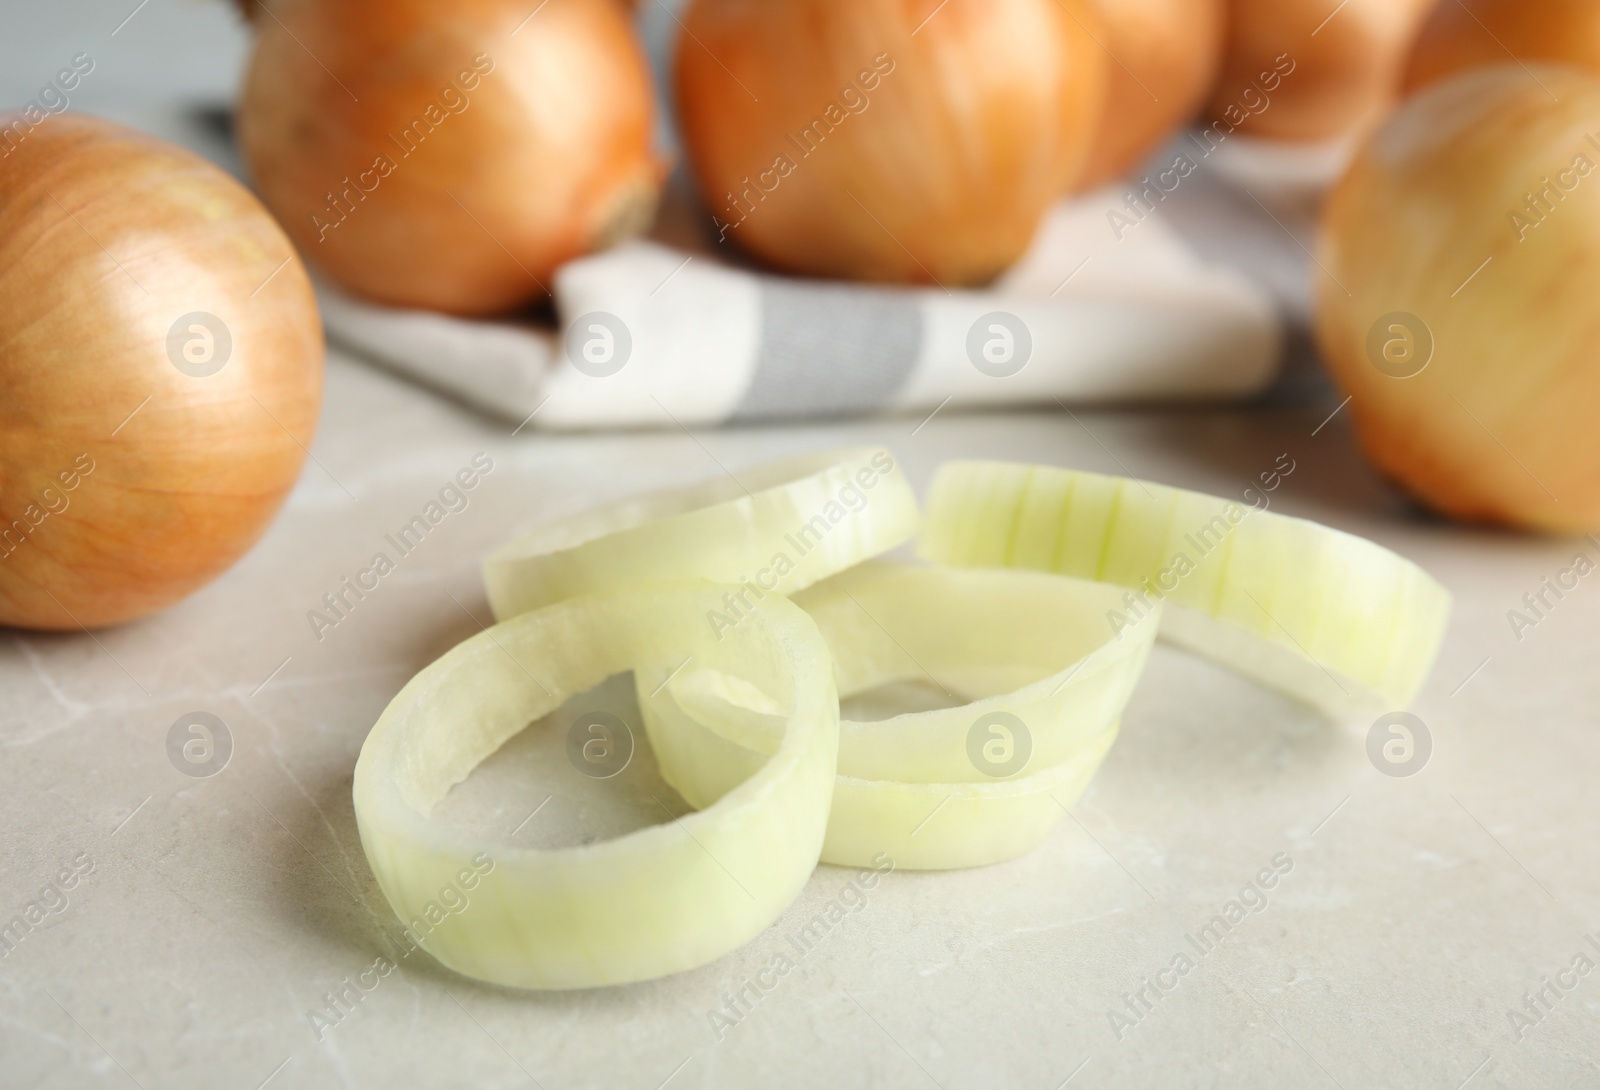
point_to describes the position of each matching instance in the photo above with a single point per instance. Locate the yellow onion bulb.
(1333, 67)
(886, 140)
(450, 156)
(160, 372)
(1461, 263)
(1474, 33)
(1164, 59)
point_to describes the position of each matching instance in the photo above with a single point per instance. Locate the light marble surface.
(220, 911)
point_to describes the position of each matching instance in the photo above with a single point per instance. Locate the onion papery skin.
(107, 238)
(1165, 55)
(1476, 33)
(540, 150)
(1346, 66)
(972, 118)
(1500, 425)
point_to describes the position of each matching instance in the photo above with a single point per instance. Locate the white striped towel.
(659, 336)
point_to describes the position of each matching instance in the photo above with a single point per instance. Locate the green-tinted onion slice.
(953, 787)
(1328, 617)
(659, 900)
(775, 530)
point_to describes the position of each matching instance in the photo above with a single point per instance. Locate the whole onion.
(886, 140)
(1165, 55)
(1462, 258)
(1340, 63)
(1472, 33)
(160, 372)
(450, 155)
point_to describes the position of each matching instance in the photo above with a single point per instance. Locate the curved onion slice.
(1329, 618)
(953, 787)
(775, 529)
(656, 901)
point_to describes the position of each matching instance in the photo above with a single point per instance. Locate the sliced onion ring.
(1329, 618)
(1047, 679)
(775, 529)
(656, 901)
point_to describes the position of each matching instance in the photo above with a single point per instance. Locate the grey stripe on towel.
(830, 351)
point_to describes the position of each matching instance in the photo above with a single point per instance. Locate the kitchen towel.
(1104, 308)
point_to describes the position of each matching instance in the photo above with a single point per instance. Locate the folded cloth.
(659, 336)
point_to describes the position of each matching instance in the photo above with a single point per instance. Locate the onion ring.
(952, 787)
(1332, 619)
(655, 901)
(778, 530)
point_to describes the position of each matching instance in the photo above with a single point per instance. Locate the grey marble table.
(208, 920)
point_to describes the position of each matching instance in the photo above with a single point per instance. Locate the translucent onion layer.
(1330, 618)
(656, 901)
(776, 529)
(953, 787)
